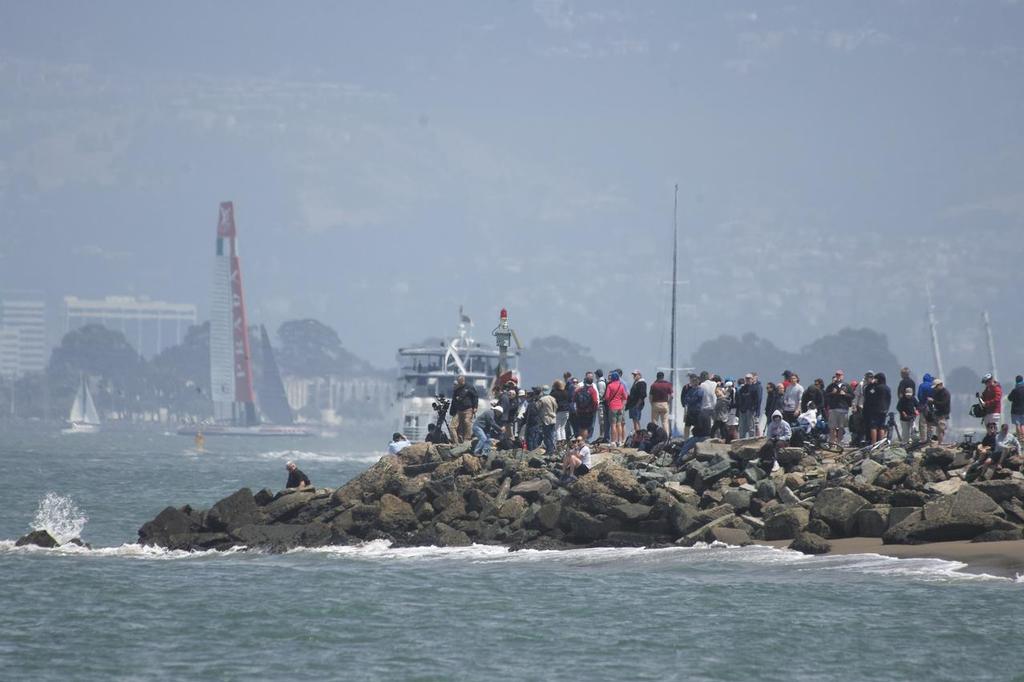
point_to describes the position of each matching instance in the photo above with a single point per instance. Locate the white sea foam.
(125, 551)
(303, 456)
(60, 517)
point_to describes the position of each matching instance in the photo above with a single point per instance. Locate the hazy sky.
(390, 161)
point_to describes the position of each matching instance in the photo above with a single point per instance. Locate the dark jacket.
(637, 395)
(1016, 399)
(746, 398)
(812, 396)
(692, 397)
(561, 396)
(877, 399)
(904, 385)
(838, 396)
(941, 401)
(464, 398)
(907, 407)
(772, 402)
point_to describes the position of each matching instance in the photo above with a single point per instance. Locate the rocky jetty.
(445, 496)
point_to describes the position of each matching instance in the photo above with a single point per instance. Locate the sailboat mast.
(935, 336)
(991, 344)
(672, 332)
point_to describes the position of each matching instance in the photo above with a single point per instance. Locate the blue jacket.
(693, 398)
(924, 391)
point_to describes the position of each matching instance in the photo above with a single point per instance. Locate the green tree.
(310, 348)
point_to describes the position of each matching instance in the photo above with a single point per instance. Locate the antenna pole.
(935, 336)
(991, 344)
(672, 332)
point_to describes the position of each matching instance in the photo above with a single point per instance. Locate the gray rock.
(281, 509)
(547, 516)
(907, 498)
(787, 496)
(790, 457)
(446, 536)
(703, 534)
(869, 471)
(622, 483)
(998, 536)
(630, 512)
(171, 529)
(785, 523)
(818, 527)
(838, 508)
(38, 538)
(962, 526)
(584, 527)
(738, 498)
(395, 515)
(237, 509)
(809, 543)
(283, 537)
(735, 537)
(766, 489)
(532, 491)
(1001, 490)
(872, 522)
(264, 497)
(947, 487)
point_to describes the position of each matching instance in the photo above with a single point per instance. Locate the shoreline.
(1004, 559)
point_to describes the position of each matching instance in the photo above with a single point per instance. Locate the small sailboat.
(83, 417)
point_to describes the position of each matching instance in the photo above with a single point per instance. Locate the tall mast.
(991, 345)
(935, 337)
(672, 332)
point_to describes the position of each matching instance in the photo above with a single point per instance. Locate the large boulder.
(533, 490)
(809, 543)
(964, 515)
(419, 453)
(705, 532)
(838, 508)
(283, 537)
(287, 506)
(383, 477)
(631, 512)
(592, 496)
(171, 529)
(622, 483)
(1002, 490)
(735, 537)
(38, 538)
(872, 522)
(785, 523)
(237, 509)
(395, 515)
(584, 527)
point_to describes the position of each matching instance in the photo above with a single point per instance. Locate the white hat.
(497, 408)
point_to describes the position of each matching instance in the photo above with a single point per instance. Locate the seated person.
(398, 443)
(485, 427)
(986, 454)
(296, 479)
(778, 434)
(804, 426)
(656, 435)
(436, 435)
(576, 461)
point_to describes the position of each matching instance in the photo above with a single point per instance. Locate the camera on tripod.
(441, 405)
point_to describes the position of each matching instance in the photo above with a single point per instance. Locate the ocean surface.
(122, 612)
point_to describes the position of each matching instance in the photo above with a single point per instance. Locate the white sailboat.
(83, 417)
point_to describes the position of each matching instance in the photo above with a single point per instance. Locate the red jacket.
(992, 398)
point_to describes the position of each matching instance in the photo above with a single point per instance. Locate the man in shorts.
(1016, 398)
(838, 398)
(991, 400)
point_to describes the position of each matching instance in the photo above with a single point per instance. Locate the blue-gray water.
(370, 612)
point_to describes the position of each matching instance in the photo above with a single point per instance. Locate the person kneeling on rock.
(778, 434)
(577, 460)
(398, 443)
(296, 479)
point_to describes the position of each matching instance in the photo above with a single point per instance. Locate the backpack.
(584, 399)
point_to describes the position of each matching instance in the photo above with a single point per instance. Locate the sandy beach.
(1004, 559)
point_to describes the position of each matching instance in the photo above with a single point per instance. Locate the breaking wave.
(303, 456)
(125, 551)
(60, 517)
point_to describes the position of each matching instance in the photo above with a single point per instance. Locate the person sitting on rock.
(436, 435)
(986, 454)
(296, 479)
(398, 443)
(778, 434)
(577, 461)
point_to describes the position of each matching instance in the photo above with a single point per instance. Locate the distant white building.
(22, 334)
(334, 397)
(151, 326)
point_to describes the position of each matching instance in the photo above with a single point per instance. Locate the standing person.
(464, 406)
(615, 396)
(709, 394)
(791, 397)
(772, 401)
(991, 400)
(531, 420)
(720, 420)
(547, 410)
(940, 402)
(838, 399)
(585, 401)
(814, 397)
(745, 409)
(692, 398)
(877, 400)
(907, 406)
(660, 394)
(858, 425)
(561, 396)
(906, 381)
(1016, 398)
(571, 384)
(602, 413)
(636, 400)
(754, 382)
(924, 426)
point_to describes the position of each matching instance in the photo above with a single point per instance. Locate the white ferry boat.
(429, 371)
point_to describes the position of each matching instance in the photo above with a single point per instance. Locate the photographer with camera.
(463, 409)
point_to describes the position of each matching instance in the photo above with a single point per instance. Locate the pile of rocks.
(43, 538)
(445, 496)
